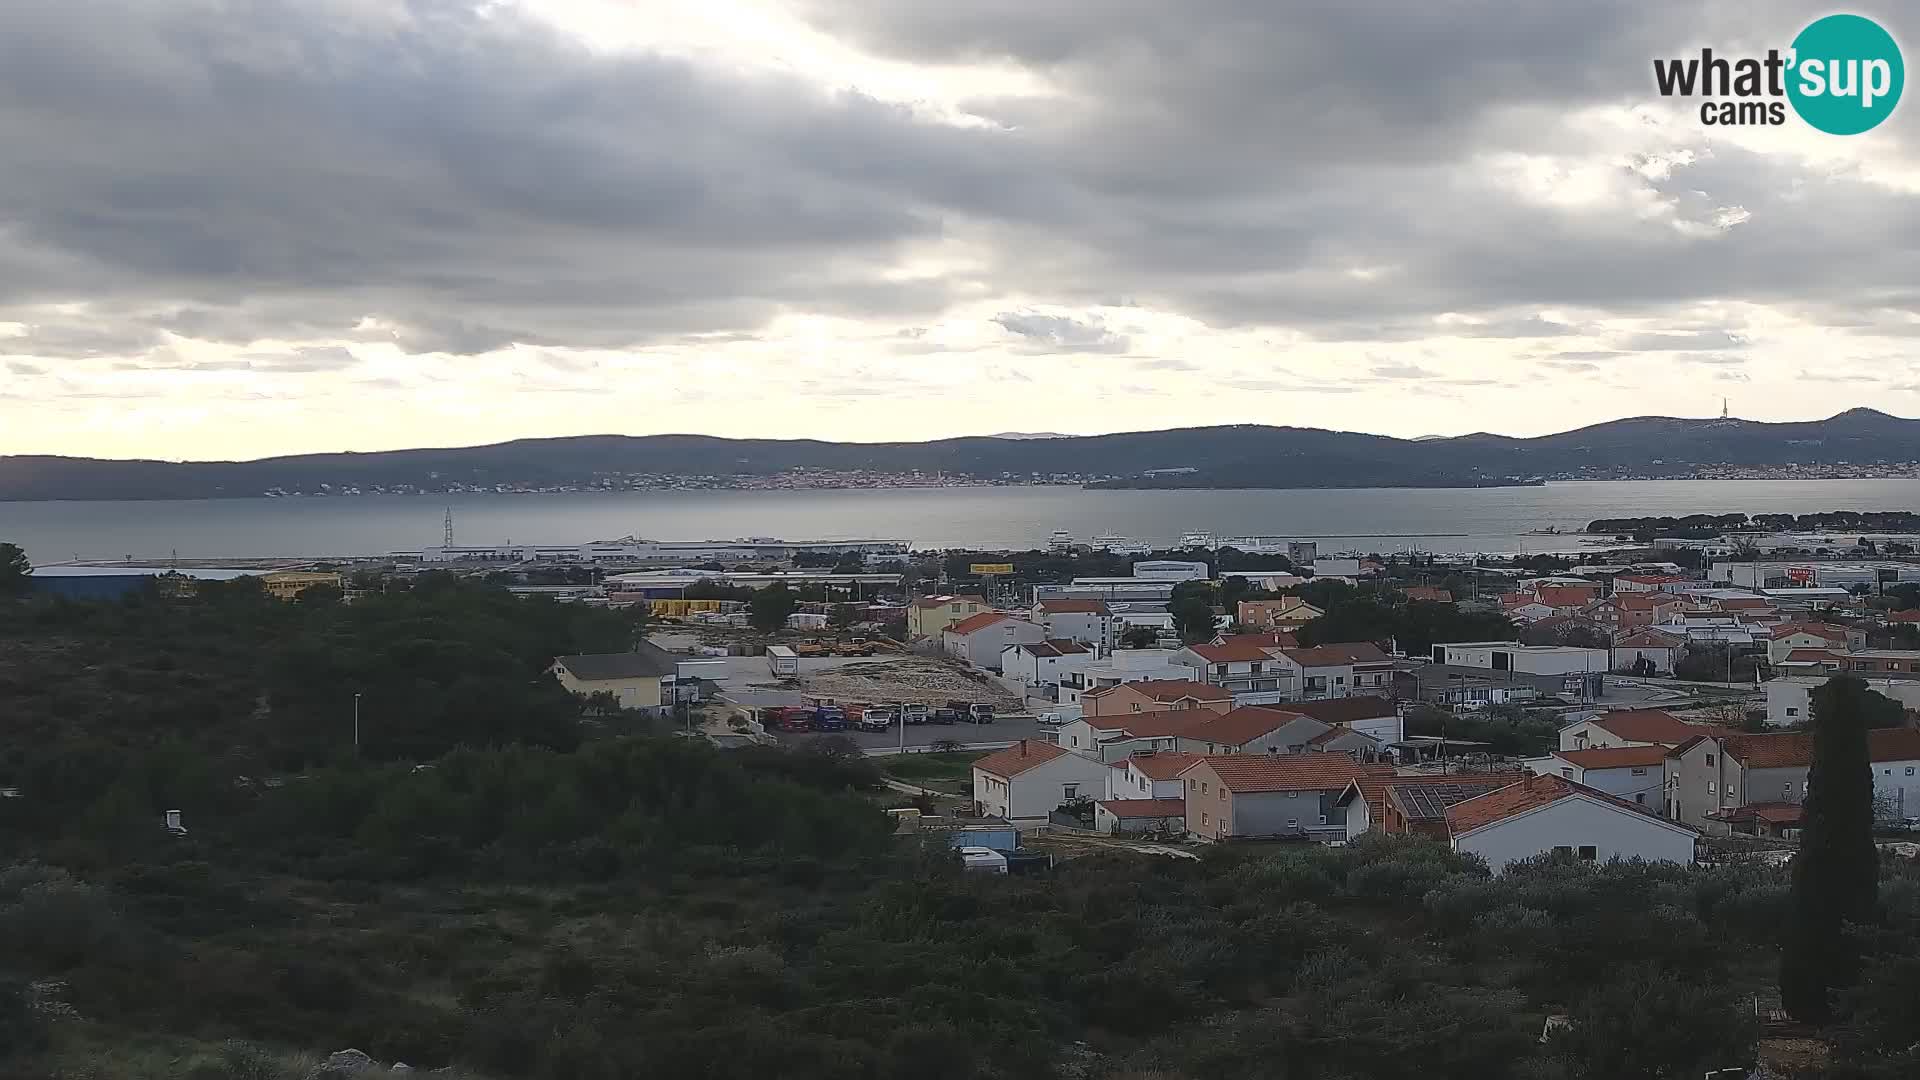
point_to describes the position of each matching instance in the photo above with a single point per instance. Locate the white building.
(1043, 663)
(1148, 775)
(1335, 671)
(1786, 637)
(1656, 647)
(1121, 666)
(1789, 697)
(1029, 780)
(1089, 622)
(1630, 727)
(1170, 570)
(980, 639)
(629, 550)
(1634, 773)
(1551, 814)
(1524, 659)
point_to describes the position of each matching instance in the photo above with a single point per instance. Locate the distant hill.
(1029, 435)
(1213, 457)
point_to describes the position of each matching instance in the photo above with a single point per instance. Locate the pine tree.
(1836, 876)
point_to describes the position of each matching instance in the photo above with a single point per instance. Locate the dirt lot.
(913, 679)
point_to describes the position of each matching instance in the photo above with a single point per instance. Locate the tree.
(841, 617)
(1836, 878)
(1192, 609)
(771, 606)
(1139, 637)
(1232, 591)
(15, 569)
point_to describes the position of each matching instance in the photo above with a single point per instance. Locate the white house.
(1786, 637)
(1028, 780)
(980, 639)
(1336, 671)
(1344, 568)
(1656, 647)
(1122, 666)
(1790, 701)
(1630, 727)
(1552, 814)
(1089, 622)
(1117, 737)
(1373, 716)
(1148, 775)
(1636, 774)
(1043, 663)
(1525, 659)
(1140, 816)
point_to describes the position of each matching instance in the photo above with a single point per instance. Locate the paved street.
(1000, 732)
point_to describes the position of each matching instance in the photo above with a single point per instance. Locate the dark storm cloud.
(450, 180)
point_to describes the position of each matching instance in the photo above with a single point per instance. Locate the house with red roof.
(1627, 583)
(1089, 622)
(980, 639)
(1784, 638)
(1711, 777)
(1337, 670)
(1154, 695)
(1427, 594)
(1647, 651)
(1291, 796)
(1631, 610)
(1550, 814)
(1030, 779)
(1416, 804)
(1149, 774)
(927, 616)
(1255, 730)
(1629, 727)
(1035, 664)
(1637, 774)
(1114, 738)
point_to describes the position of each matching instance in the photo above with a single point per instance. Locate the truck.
(810, 647)
(829, 718)
(878, 718)
(970, 712)
(787, 718)
(913, 714)
(783, 662)
(856, 647)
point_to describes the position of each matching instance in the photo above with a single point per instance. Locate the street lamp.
(356, 725)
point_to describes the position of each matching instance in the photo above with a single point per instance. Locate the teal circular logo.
(1846, 74)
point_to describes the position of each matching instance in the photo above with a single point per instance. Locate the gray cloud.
(422, 173)
(1060, 334)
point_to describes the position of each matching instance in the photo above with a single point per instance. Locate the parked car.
(1050, 719)
(876, 719)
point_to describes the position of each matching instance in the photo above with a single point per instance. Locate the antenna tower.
(1723, 408)
(446, 536)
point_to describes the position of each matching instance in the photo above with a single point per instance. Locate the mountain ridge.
(1219, 456)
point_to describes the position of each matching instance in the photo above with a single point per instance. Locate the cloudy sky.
(232, 228)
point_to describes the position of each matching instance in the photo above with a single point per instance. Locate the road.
(1001, 732)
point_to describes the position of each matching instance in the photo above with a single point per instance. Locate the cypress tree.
(1836, 877)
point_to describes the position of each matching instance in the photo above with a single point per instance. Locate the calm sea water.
(1378, 519)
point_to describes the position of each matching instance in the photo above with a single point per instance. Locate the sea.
(1386, 520)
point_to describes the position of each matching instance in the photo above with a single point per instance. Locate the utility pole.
(356, 725)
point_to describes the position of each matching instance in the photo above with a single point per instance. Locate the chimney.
(1023, 748)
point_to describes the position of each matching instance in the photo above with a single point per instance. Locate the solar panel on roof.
(1432, 800)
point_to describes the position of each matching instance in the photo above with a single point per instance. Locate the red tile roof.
(1559, 596)
(1242, 773)
(1020, 757)
(1153, 725)
(1819, 630)
(1145, 808)
(1615, 757)
(1427, 593)
(1074, 607)
(1810, 656)
(1232, 651)
(1242, 725)
(976, 622)
(1358, 652)
(1650, 726)
(1170, 690)
(1642, 601)
(1160, 765)
(1794, 749)
(1649, 638)
(1911, 615)
(1271, 639)
(1773, 813)
(1333, 733)
(1373, 786)
(1530, 794)
(1894, 744)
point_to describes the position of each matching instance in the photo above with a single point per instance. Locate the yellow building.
(287, 584)
(931, 615)
(635, 679)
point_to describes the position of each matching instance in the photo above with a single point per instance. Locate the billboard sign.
(991, 568)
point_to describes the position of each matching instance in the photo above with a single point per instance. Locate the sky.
(237, 228)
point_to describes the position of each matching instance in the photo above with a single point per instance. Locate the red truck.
(788, 718)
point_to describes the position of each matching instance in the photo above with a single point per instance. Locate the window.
(956, 609)
(1293, 823)
(1639, 772)
(1193, 785)
(1136, 708)
(1339, 680)
(1223, 794)
(1203, 788)
(1709, 761)
(1909, 770)
(1203, 817)
(1588, 853)
(1786, 789)
(1323, 819)
(1293, 794)
(1567, 772)
(1711, 789)
(1640, 797)
(1791, 711)
(1069, 791)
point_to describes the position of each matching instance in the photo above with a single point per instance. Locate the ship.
(1121, 545)
(1060, 540)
